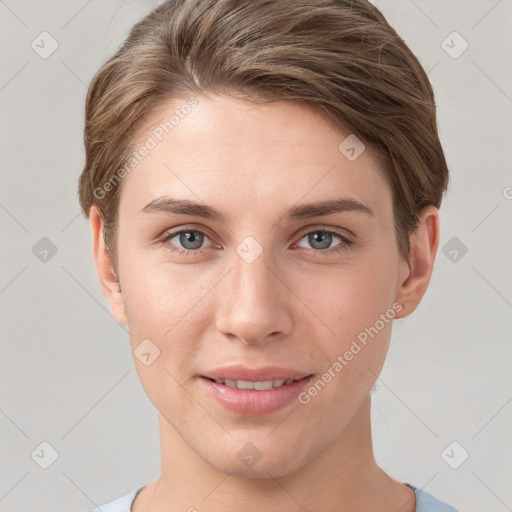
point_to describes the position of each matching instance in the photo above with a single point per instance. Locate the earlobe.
(424, 243)
(109, 282)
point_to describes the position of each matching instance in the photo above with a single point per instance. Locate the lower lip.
(252, 402)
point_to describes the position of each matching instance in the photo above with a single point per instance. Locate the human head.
(254, 66)
(339, 57)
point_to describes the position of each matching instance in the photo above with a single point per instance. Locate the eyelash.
(346, 243)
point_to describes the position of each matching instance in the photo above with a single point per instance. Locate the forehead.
(233, 152)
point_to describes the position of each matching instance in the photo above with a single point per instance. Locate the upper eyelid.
(335, 231)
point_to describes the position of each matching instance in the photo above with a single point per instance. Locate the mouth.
(262, 385)
(254, 397)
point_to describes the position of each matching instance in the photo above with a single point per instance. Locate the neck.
(344, 477)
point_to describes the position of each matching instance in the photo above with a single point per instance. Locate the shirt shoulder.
(425, 502)
(122, 504)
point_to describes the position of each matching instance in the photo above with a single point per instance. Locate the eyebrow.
(304, 211)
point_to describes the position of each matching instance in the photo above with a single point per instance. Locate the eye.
(321, 240)
(190, 240)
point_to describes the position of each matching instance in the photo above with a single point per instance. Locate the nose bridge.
(252, 278)
(253, 303)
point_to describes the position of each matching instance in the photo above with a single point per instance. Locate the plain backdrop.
(69, 396)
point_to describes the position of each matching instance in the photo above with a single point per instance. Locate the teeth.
(268, 384)
(258, 386)
(244, 384)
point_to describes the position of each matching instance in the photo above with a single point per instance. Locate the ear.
(105, 268)
(415, 276)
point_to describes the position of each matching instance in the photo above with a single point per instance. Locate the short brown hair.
(341, 57)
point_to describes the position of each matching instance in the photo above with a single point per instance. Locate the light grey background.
(67, 375)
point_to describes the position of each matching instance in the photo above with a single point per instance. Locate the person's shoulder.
(122, 504)
(425, 502)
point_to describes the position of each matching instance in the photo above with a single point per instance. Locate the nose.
(255, 301)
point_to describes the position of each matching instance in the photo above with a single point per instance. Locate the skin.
(213, 308)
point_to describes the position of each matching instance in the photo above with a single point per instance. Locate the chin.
(260, 471)
(249, 461)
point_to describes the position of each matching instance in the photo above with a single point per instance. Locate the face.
(263, 284)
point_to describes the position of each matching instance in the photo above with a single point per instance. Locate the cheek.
(352, 314)
(348, 299)
(167, 306)
(166, 318)
(351, 332)
(162, 294)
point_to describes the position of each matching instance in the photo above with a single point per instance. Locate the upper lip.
(239, 372)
